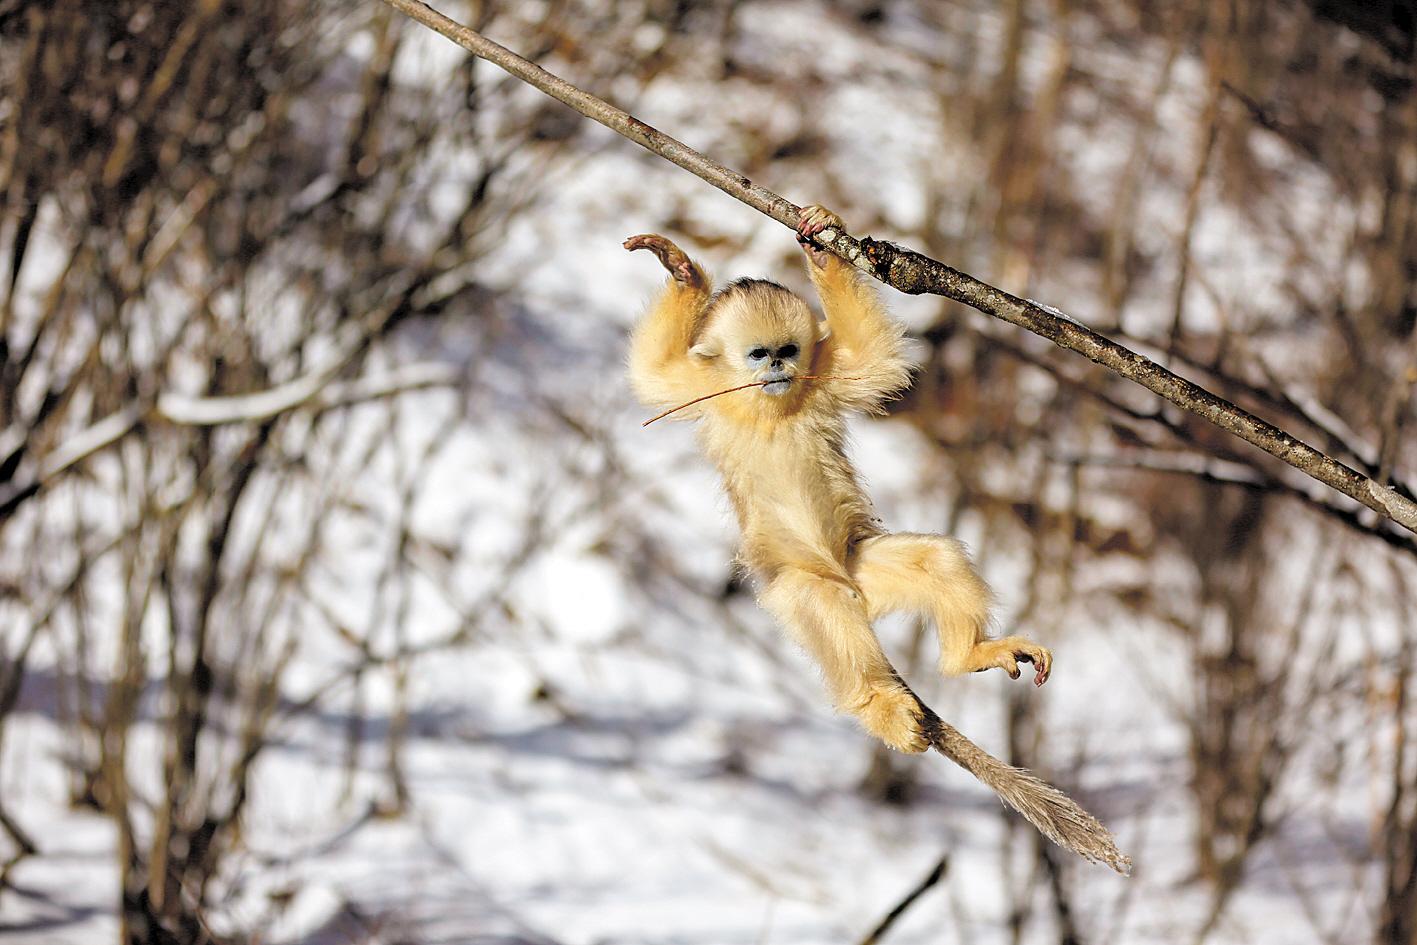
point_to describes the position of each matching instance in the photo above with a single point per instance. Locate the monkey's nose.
(777, 364)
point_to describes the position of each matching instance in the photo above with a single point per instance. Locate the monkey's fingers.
(814, 219)
(819, 256)
(661, 246)
(671, 257)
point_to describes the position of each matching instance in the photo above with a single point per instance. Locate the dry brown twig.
(937, 873)
(720, 393)
(913, 273)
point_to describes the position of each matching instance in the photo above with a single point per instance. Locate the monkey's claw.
(671, 257)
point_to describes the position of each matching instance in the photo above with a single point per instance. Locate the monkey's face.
(761, 332)
(776, 365)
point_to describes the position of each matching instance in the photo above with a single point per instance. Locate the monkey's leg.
(931, 574)
(828, 619)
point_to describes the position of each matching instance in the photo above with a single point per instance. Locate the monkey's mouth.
(777, 385)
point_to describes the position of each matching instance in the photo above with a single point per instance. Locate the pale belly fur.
(795, 495)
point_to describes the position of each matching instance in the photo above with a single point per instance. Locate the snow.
(684, 781)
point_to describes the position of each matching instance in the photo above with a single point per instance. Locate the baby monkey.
(824, 566)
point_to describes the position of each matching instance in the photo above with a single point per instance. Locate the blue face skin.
(772, 364)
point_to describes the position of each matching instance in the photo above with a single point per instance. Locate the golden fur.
(824, 567)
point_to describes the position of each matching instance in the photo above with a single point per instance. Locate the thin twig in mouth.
(776, 380)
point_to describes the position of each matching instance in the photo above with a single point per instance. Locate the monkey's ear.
(706, 350)
(824, 331)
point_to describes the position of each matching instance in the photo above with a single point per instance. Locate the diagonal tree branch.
(914, 273)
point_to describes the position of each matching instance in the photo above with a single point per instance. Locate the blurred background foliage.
(410, 255)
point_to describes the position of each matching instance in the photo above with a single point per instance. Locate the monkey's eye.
(757, 354)
(787, 351)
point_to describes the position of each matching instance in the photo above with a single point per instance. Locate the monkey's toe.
(1043, 665)
(1026, 651)
(1007, 653)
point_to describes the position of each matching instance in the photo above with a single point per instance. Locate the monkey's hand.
(671, 257)
(813, 220)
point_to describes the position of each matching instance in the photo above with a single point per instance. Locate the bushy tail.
(1044, 806)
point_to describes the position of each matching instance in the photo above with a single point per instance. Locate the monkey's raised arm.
(662, 371)
(865, 340)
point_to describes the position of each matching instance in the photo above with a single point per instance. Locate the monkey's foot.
(1007, 653)
(893, 716)
(813, 220)
(671, 257)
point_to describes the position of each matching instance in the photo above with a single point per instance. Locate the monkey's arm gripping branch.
(859, 323)
(912, 272)
(867, 341)
(855, 317)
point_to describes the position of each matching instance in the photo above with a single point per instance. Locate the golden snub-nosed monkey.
(823, 565)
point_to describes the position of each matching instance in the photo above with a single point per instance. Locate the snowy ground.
(698, 790)
(687, 782)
